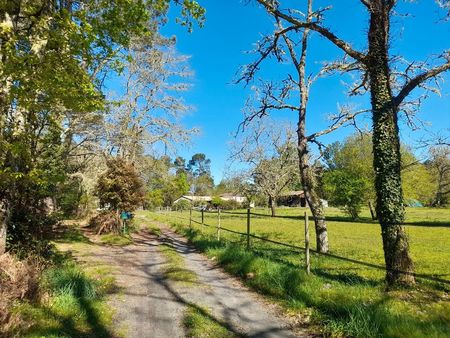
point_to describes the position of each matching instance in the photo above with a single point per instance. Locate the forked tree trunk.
(386, 149)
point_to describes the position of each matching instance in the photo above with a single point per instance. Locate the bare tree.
(268, 151)
(389, 82)
(289, 43)
(151, 108)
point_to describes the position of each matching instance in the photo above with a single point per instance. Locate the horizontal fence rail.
(298, 249)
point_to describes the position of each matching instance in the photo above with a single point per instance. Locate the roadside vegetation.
(116, 239)
(60, 297)
(174, 268)
(344, 298)
(72, 149)
(199, 324)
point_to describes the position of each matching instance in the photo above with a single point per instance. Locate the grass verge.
(339, 307)
(116, 239)
(200, 324)
(175, 268)
(72, 305)
(71, 296)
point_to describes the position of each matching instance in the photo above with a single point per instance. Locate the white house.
(232, 197)
(191, 198)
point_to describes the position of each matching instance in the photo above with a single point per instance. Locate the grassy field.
(347, 298)
(428, 230)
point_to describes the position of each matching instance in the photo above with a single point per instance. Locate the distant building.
(233, 197)
(292, 199)
(192, 198)
(296, 199)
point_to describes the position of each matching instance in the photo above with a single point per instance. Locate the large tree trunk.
(386, 149)
(306, 174)
(312, 198)
(272, 206)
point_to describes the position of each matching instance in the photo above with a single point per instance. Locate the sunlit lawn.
(361, 240)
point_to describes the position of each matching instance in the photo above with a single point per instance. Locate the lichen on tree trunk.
(386, 148)
(2, 238)
(306, 172)
(3, 227)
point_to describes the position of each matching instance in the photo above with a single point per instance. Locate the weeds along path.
(224, 297)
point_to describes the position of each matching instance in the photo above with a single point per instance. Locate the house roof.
(228, 194)
(195, 198)
(294, 193)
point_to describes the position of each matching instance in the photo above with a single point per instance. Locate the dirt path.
(145, 305)
(149, 305)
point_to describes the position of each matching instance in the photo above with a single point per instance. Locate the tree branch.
(341, 44)
(419, 79)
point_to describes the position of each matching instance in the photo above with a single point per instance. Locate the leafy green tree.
(199, 171)
(54, 55)
(163, 185)
(354, 156)
(345, 190)
(417, 179)
(199, 165)
(180, 164)
(120, 188)
(154, 199)
(181, 183)
(439, 165)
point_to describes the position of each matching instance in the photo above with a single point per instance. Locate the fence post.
(203, 223)
(218, 224)
(248, 228)
(308, 265)
(190, 218)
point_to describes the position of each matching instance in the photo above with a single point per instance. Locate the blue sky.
(232, 27)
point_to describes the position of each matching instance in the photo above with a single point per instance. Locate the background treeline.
(348, 175)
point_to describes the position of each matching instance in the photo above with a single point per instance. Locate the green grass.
(360, 240)
(116, 239)
(143, 221)
(346, 299)
(175, 268)
(74, 305)
(73, 295)
(71, 234)
(201, 324)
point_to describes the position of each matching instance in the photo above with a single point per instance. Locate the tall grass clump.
(69, 280)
